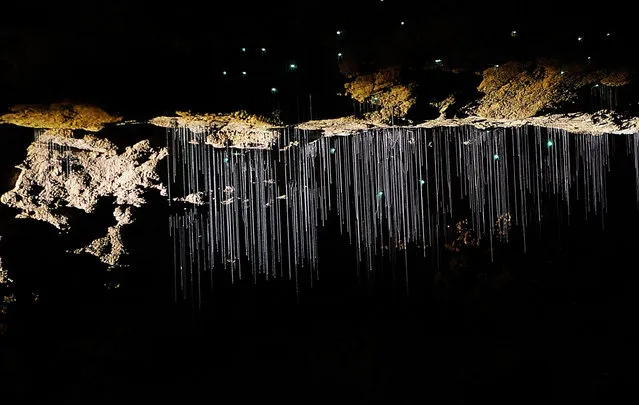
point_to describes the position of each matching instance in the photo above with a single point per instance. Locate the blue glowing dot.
(495, 157)
(332, 151)
(263, 50)
(274, 90)
(422, 182)
(549, 143)
(380, 194)
(339, 32)
(243, 73)
(243, 49)
(226, 160)
(438, 61)
(339, 55)
(224, 73)
(292, 66)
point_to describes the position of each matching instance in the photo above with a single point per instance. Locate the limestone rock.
(238, 129)
(384, 90)
(110, 248)
(339, 126)
(62, 171)
(195, 199)
(523, 90)
(59, 116)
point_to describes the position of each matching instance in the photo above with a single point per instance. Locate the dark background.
(554, 324)
(142, 59)
(561, 331)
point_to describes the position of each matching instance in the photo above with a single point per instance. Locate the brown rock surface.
(522, 90)
(59, 116)
(384, 90)
(238, 129)
(110, 248)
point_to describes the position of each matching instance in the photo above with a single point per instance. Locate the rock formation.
(59, 116)
(521, 90)
(6, 297)
(110, 248)
(66, 173)
(62, 173)
(238, 129)
(384, 91)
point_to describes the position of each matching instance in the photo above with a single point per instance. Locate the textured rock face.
(238, 129)
(60, 116)
(602, 122)
(110, 248)
(384, 90)
(195, 199)
(6, 298)
(517, 90)
(4, 274)
(61, 171)
(338, 126)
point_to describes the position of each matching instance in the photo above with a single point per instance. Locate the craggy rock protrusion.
(384, 90)
(6, 297)
(601, 122)
(195, 199)
(339, 126)
(59, 116)
(110, 248)
(238, 129)
(62, 171)
(518, 90)
(4, 275)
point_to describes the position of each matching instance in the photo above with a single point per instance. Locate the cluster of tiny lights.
(293, 67)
